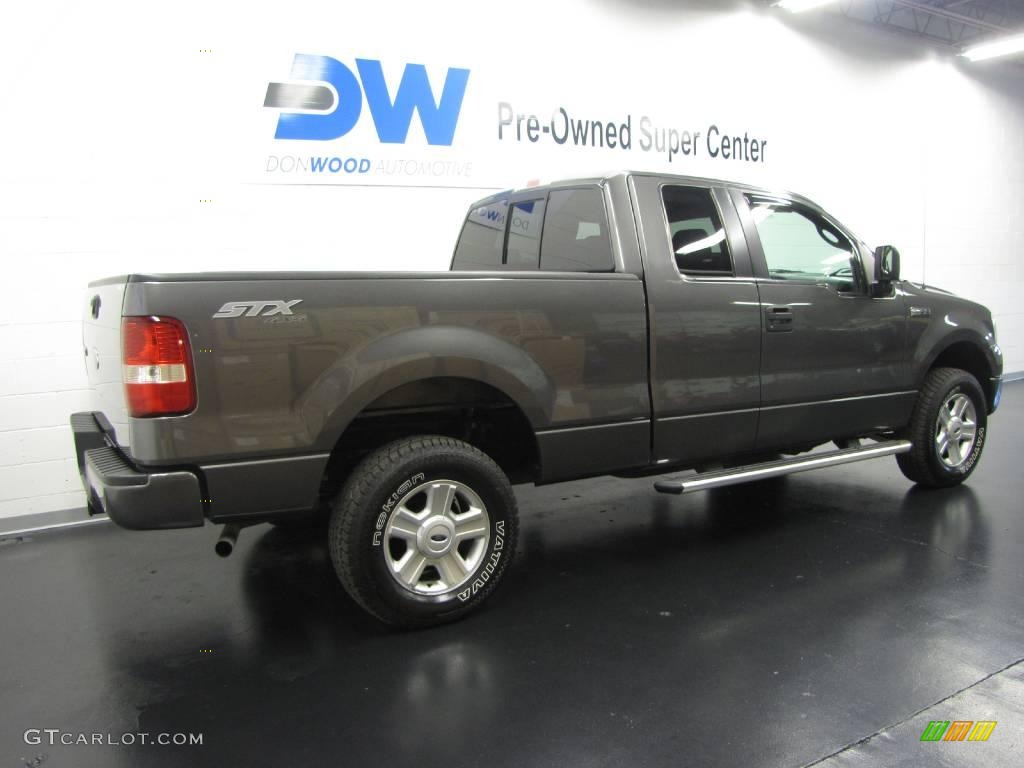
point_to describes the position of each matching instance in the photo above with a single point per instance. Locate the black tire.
(923, 463)
(364, 508)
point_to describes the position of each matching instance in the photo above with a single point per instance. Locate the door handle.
(780, 319)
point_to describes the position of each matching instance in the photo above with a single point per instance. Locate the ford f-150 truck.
(635, 324)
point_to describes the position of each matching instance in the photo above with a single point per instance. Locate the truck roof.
(603, 178)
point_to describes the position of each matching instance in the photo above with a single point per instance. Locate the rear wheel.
(947, 429)
(423, 530)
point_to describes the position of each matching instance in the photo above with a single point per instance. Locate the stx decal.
(256, 308)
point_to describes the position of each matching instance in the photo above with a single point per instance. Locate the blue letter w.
(392, 118)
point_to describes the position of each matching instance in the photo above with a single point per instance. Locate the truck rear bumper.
(133, 498)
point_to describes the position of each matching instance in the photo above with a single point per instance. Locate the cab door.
(832, 352)
(704, 318)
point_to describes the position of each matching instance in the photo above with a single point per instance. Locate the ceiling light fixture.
(1003, 46)
(799, 6)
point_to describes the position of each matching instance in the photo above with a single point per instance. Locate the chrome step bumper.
(719, 478)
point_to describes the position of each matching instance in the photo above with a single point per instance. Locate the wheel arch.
(968, 354)
(492, 384)
(418, 354)
(465, 408)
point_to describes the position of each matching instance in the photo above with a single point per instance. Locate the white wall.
(118, 123)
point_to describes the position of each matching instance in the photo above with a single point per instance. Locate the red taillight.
(158, 376)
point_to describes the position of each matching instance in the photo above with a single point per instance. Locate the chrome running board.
(719, 478)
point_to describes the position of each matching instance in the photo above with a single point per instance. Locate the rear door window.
(699, 244)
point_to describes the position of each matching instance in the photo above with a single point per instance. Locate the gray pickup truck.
(635, 324)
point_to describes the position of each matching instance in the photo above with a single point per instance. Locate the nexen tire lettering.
(389, 505)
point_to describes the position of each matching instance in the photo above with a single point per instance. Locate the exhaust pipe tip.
(223, 548)
(226, 543)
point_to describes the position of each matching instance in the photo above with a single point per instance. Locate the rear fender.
(345, 390)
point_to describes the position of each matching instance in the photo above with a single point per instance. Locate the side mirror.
(887, 264)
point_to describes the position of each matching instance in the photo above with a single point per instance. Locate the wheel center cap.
(436, 536)
(954, 426)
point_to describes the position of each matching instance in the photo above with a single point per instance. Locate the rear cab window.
(563, 229)
(522, 249)
(576, 232)
(483, 237)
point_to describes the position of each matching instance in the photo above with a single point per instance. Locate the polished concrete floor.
(824, 617)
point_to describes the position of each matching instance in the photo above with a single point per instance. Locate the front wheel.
(423, 530)
(947, 429)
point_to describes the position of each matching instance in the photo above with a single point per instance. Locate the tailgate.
(101, 338)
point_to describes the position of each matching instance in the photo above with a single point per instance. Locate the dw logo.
(332, 110)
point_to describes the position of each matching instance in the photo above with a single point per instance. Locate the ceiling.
(956, 23)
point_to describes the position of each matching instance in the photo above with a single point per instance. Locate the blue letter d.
(324, 127)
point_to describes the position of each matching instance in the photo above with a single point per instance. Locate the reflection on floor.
(827, 616)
